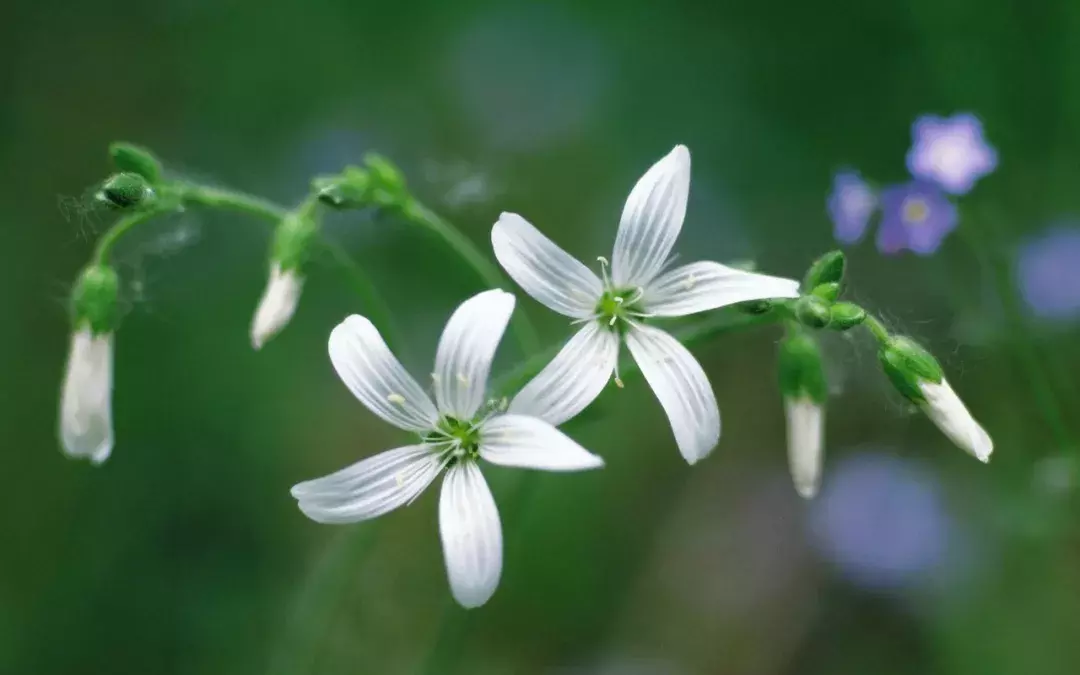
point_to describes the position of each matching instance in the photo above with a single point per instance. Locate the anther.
(396, 399)
(464, 381)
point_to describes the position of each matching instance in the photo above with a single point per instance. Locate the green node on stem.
(812, 311)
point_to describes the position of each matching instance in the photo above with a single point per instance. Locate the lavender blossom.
(950, 152)
(914, 216)
(1048, 273)
(850, 205)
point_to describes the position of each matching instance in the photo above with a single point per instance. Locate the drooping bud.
(293, 242)
(94, 300)
(803, 385)
(845, 316)
(918, 376)
(125, 190)
(132, 158)
(828, 269)
(812, 311)
(86, 397)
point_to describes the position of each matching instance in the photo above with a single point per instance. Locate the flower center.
(456, 439)
(915, 210)
(617, 307)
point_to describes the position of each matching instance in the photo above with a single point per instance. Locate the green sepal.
(812, 311)
(845, 316)
(802, 373)
(126, 190)
(135, 159)
(828, 292)
(908, 366)
(348, 190)
(94, 299)
(293, 241)
(828, 269)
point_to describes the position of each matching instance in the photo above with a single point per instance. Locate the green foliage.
(828, 269)
(126, 190)
(908, 365)
(131, 158)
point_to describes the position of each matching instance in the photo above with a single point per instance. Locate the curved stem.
(485, 269)
(120, 228)
(376, 309)
(876, 327)
(219, 198)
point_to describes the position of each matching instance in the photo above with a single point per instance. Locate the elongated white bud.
(277, 305)
(947, 411)
(86, 401)
(805, 436)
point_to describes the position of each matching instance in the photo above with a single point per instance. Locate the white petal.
(573, 379)
(277, 305)
(701, 286)
(651, 220)
(86, 400)
(471, 535)
(466, 350)
(371, 487)
(682, 387)
(366, 366)
(948, 412)
(531, 443)
(546, 272)
(805, 428)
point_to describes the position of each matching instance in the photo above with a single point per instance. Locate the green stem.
(485, 269)
(219, 198)
(120, 228)
(876, 327)
(370, 299)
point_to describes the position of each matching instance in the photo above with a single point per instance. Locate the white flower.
(456, 430)
(805, 429)
(85, 403)
(947, 411)
(277, 305)
(617, 306)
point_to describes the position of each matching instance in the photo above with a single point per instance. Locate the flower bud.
(827, 269)
(277, 305)
(94, 300)
(802, 383)
(845, 316)
(918, 376)
(125, 190)
(85, 400)
(387, 182)
(348, 190)
(828, 292)
(293, 241)
(131, 158)
(812, 311)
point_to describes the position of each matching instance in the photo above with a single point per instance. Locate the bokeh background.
(184, 553)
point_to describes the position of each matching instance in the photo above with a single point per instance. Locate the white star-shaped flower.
(620, 307)
(456, 431)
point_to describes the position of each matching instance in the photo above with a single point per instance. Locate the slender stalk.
(485, 269)
(876, 327)
(120, 228)
(220, 198)
(373, 304)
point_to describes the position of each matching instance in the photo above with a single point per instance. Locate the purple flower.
(882, 521)
(1048, 273)
(950, 152)
(915, 216)
(851, 204)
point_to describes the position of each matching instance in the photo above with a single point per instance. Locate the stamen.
(690, 281)
(603, 270)
(396, 399)
(462, 379)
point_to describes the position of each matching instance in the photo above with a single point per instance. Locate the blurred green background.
(184, 553)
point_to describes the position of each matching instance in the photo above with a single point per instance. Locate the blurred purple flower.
(850, 205)
(950, 152)
(882, 522)
(1048, 273)
(915, 216)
